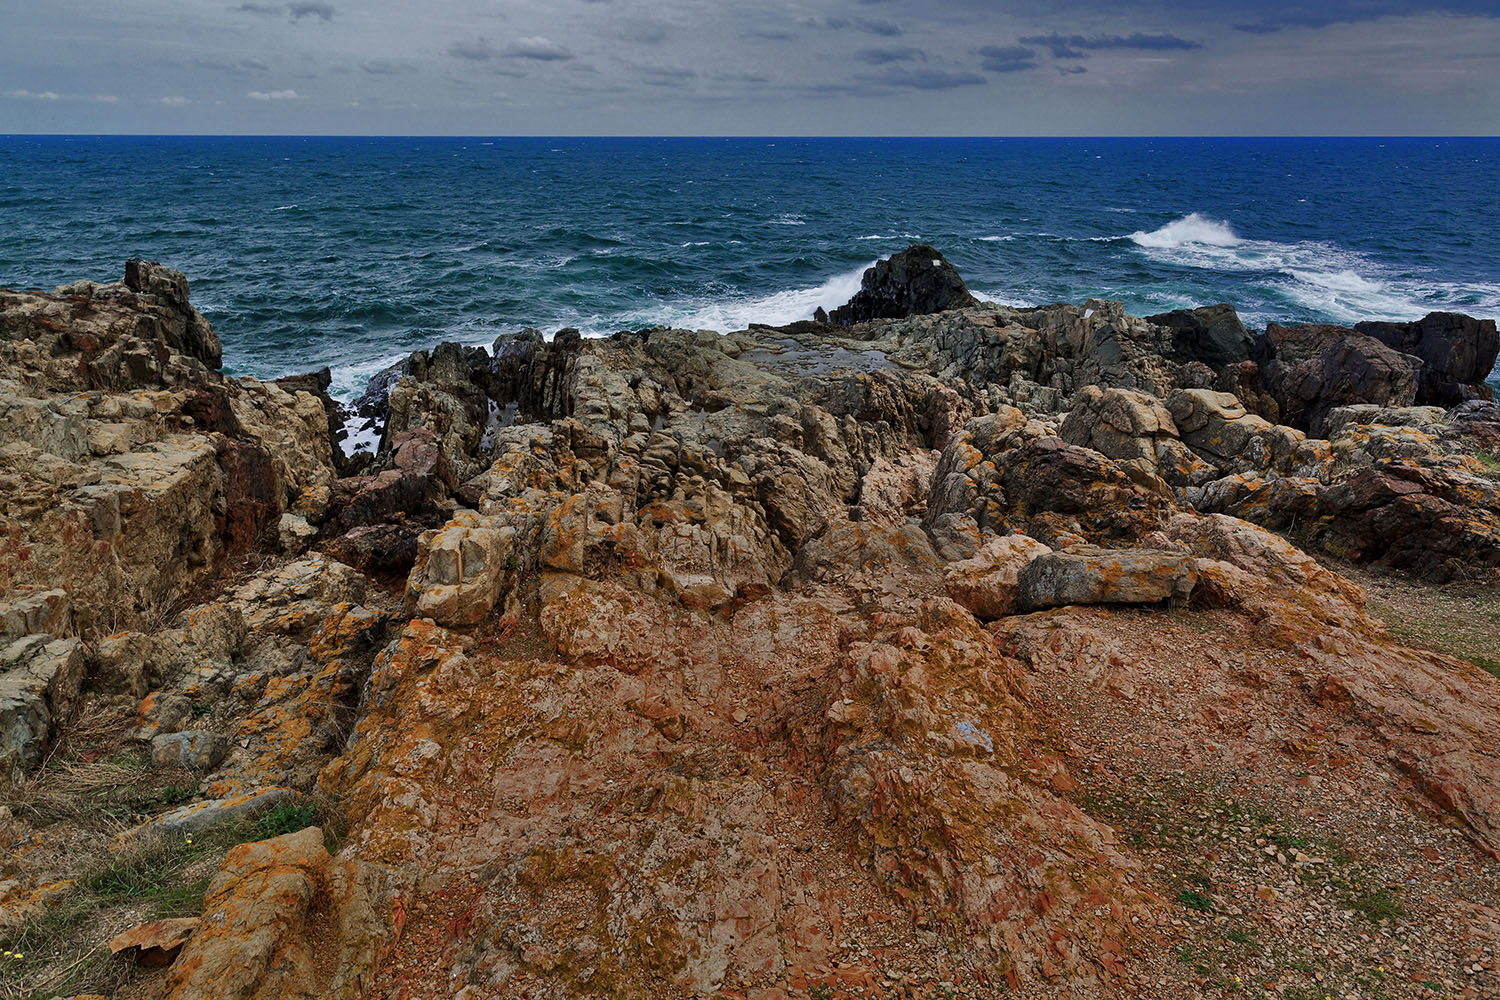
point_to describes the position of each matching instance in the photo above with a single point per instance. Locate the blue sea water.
(351, 252)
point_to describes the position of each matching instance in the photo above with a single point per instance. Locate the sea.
(352, 252)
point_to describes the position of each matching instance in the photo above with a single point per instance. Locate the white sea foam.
(1344, 285)
(1190, 230)
(728, 314)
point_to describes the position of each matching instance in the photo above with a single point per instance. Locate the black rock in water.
(914, 282)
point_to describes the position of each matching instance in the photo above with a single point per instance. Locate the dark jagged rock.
(1212, 335)
(914, 282)
(1311, 369)
(1458, 353)
(183, 328)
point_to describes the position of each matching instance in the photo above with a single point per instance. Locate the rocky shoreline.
(918, 647)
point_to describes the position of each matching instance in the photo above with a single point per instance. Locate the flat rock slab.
(1085, 574)
(155, 943)
(201, 815)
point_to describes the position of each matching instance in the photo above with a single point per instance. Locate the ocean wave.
(1341, 285)
(732, 313)
(1190, 230)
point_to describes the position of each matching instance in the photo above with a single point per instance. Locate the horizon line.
(725, 137)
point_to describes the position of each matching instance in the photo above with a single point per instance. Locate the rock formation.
(943, 649)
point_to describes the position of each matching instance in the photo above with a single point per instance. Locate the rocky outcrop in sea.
(931, 645)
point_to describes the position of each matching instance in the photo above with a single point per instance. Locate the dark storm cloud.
(322, 11)
(882, 56)
(922, 79)
(1007, 58)
(1077, 46)
(385, 67)
(477, 50)
(869, 25)
(1277, 15)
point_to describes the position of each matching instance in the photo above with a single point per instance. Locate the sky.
(751, 67)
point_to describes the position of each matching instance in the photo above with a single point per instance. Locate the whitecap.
(1192, 229)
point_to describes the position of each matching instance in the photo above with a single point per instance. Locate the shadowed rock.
(914, 282)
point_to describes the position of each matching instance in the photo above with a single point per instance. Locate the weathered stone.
(282, 919)
(1311, 369)
(1091, 575)
(189, 749)
(1212, 335)
(1458, 353)
(916, 281)
(155, 943)
(461, 570)
(39, 681)
(197, 816)
(988, 583)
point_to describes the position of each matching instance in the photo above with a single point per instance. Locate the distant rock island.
(929, 647)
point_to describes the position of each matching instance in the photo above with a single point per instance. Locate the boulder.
(988, 583)
(916, 281)
(1458, 353)
(460, 570)
(189, 749)
(1119, 423)
(1087, 574)
(35, 613)
(1211, 335)
(1313, 368)
(39, 682)
(282, 919)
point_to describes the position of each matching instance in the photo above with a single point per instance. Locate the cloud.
(667, 76)
(881, 56)
(1071, 70)
(644, 32)
(175, 102)
(297, 10)
(1074, 46)
(1007, 58)
(385, 67)
(1276, 15)
(869, 25)
(922, 79)
(239, 66)
(107, 99)
(310, 8)
(272, 95)
(31, 95)
(538, 48)
(478, 50)
(879, 26)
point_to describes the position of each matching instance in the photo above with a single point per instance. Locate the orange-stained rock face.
(926, 661)
(281, 919)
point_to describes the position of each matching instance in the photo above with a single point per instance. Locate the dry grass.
(94, 784)
(1459, 619)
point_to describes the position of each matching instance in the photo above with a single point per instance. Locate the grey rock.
(1086, 574)
(190, 749)
(39, 681)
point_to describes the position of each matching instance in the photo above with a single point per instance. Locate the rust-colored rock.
(155, 943)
